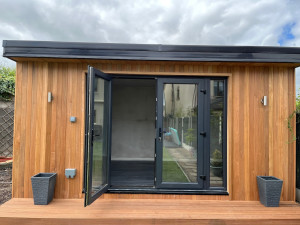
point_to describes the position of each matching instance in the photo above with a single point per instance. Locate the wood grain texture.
(152, 211)
(45, 139)
(257, 135)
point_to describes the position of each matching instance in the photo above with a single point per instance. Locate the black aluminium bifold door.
(181, 133)
(97, 135)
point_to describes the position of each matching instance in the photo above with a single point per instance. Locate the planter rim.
(269, 180)
(49, 175)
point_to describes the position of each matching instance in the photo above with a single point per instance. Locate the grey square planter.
(43, 187)
(269, 188)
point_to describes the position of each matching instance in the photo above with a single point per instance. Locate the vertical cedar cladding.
(257, 137)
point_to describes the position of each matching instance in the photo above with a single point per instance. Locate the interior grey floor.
(132, 173)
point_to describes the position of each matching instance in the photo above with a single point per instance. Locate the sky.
(184, 22)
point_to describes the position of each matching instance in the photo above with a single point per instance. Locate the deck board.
(147, 211)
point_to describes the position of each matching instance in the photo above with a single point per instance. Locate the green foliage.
(291, 116)
(190, 136)
(217, 154)
(192, 111)
(216, 159)
(179, 111)
(7, 82)
(298, 103)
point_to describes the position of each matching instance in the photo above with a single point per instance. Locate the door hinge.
(203, 177)
(155, 179)
(156, 99)
(83, 191)
(203, 91)
(155, 155)
(203, 133)
(92, 134)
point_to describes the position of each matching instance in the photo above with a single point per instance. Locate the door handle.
(159, 135)
(203, 133)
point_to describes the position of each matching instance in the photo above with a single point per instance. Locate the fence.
(6, 128)
(186, 128)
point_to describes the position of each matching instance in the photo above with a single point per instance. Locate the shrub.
(7, 82)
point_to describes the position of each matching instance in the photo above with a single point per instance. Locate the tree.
(7, 82)
(296, 113)
(298, 102)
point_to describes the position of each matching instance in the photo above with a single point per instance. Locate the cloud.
(206, 22)
(218, 22)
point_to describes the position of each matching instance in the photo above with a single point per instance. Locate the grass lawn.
(171, 171)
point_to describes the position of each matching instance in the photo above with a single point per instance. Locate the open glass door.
(180, 137)
(97, 135)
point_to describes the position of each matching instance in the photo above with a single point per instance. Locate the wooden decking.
(147, 211)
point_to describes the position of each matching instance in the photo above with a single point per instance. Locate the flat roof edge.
(77, 50)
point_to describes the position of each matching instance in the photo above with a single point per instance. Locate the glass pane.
(180, 133)
(100, 148)
(216, 132)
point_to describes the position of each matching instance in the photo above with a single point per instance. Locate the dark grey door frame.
(202, 140)
(89, 132)
(203, 186)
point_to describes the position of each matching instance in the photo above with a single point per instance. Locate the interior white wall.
(133, 119)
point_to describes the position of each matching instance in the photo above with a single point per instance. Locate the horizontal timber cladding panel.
(258, 138)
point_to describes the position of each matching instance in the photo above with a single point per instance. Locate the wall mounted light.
(264, 101)
(50, 97)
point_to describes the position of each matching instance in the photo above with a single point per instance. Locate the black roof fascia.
(153, 52)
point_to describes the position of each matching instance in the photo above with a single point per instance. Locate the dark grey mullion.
(109, 132)
(201, 128)
(224, 134)
(86, 139)
(159, 124)
(206, 141)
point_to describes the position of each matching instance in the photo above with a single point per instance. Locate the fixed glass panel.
(100, 135)
(216, 132)
(180, 107)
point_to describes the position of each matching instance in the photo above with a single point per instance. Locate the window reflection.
(180, 133)
(99, 141)
(216, 132)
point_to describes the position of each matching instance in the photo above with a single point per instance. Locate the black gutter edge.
(153, 52)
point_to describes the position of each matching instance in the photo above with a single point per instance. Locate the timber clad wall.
(258, 138)
(44, 139)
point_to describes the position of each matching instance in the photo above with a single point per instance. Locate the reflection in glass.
(100, 149)
(216, 132)
(180, 133)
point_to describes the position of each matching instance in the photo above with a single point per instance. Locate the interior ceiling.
(134, 82)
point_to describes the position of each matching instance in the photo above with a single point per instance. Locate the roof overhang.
(195, 53)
